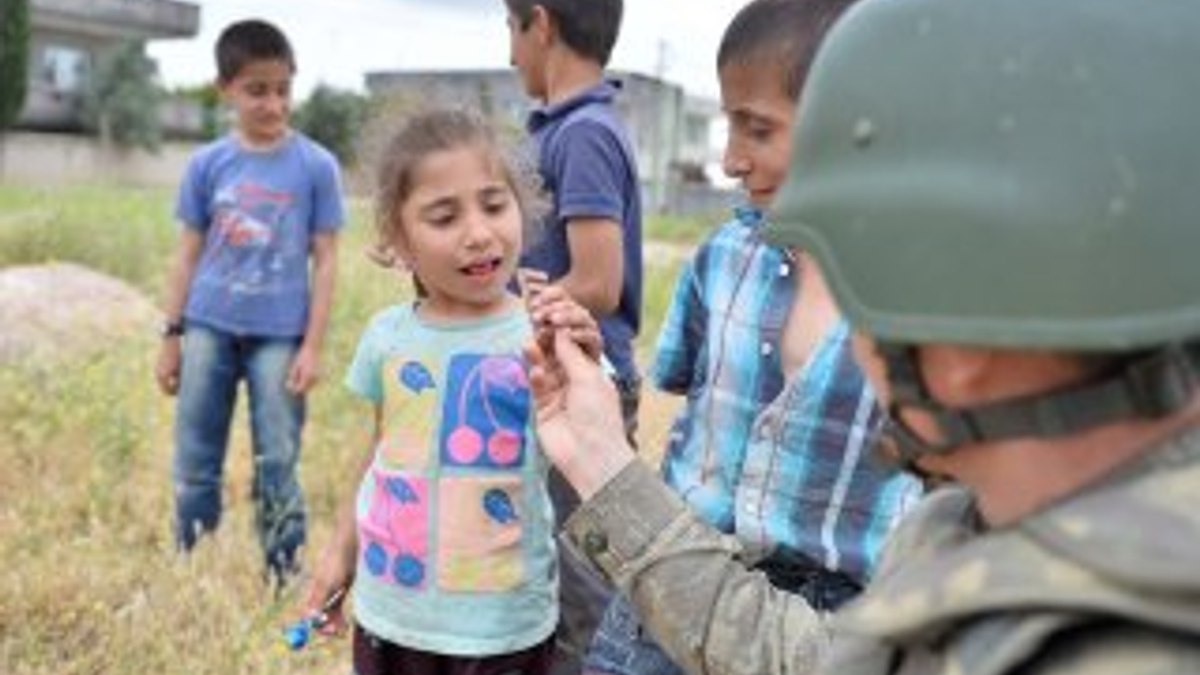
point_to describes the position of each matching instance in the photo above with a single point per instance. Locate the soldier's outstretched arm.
(704, 606)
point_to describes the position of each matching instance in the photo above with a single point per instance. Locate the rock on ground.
(62, 309)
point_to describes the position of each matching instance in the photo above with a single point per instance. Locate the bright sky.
(337, 41)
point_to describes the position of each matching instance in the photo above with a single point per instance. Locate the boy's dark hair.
(251, 40)
(785, 33)
(589, 27)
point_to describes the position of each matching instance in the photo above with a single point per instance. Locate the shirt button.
(595, 543)
(784, 269)
(766, 349)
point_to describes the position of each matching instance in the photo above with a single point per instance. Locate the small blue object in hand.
(298, 634)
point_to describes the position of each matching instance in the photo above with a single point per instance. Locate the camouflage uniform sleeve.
(704, 606)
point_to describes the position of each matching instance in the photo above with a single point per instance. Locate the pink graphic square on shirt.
(394, 531)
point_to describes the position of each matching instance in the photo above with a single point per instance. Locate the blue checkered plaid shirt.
(784, 463)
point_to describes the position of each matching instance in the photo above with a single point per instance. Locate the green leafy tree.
(123, 99)
(208, 97)
(334, 119)
(14, 59)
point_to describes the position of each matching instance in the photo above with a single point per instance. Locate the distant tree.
(208, 97)
(123, 99)
(14, 59)
(335, 119)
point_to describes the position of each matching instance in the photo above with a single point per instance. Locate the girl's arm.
(335, 569)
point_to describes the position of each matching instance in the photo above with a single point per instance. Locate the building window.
(64, 69)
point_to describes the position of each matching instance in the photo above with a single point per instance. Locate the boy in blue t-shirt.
(241, 303)
(772, 445)
(592, 246)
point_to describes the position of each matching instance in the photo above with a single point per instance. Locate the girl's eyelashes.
(496, 201)
(441, 213)
(493, 201)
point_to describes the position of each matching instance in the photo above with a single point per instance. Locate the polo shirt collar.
(602, 92)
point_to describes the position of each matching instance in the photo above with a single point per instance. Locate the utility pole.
(660, 160)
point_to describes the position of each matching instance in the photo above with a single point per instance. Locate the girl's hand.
(579, 419)
(327, 594)
(552, 310)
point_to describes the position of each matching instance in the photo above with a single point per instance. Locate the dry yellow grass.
(89, 580)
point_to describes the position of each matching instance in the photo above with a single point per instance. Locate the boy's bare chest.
(812, 315)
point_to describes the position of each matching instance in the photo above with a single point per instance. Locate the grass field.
(90, 582)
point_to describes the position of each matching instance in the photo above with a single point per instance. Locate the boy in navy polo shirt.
(592, 246)
(256, 207)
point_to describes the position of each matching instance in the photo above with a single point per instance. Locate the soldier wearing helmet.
(998, 192)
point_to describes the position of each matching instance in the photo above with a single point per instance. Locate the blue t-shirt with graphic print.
(455, 529)
(258, 212)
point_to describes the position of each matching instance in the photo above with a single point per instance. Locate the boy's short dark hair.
(590, 27)
(785, 32)
(251, 40)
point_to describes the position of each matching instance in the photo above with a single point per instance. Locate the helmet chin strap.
(1148, 386)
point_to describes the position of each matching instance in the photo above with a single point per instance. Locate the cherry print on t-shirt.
(394, 533)
(485, 411)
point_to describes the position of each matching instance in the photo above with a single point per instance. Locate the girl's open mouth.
(482, 268)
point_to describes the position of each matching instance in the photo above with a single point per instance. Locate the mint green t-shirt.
(456, 551)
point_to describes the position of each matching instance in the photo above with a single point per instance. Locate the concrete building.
(671, 131)
(69, 37)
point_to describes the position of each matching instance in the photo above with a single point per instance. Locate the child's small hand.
(326, 597)
(551, 309)
(166, 370)
(531, 282)
(305, 371)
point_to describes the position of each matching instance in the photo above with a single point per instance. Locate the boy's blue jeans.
(213, 363)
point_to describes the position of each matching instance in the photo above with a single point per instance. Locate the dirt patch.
(63, 309)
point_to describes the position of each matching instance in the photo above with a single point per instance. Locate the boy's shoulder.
(740, 233)
(220, 146)
(311, 149)
(298, 146)
(592, 111)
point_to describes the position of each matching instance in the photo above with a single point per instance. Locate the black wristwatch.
(171, 329)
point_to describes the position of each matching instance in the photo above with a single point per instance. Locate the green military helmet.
(1005, 172)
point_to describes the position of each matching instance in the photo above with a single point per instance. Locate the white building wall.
(63, 159)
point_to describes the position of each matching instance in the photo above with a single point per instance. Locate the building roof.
(137, 19)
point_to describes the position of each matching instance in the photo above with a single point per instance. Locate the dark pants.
(583, 595)
(375, 656)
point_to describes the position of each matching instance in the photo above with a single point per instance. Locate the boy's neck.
(570, 75)
(254, 144)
